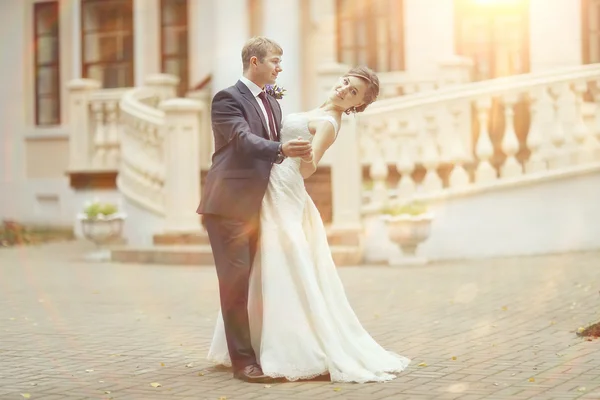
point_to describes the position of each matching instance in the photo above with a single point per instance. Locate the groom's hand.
(297, 148)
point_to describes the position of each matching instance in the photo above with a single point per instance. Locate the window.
(371, 32)
(495, 34)
(174, 41)
(107, 42)
(47, 66)
(590, 12)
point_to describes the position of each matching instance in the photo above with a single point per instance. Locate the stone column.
(201, 36)
(146, 31)
(80, 135)
(346, 178)
(182, 164)
(281, 22)
(231, 31)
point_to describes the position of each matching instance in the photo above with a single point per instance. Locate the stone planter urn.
(101, 224)
(408, 227)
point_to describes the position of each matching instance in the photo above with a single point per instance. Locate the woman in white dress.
(301, 322)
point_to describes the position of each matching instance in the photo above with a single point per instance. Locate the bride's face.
(348, 92)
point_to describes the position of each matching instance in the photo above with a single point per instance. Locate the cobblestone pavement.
(488, 329)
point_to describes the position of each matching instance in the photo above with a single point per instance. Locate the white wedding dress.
(301, 322)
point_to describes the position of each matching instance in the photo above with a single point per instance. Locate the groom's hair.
(259, 47)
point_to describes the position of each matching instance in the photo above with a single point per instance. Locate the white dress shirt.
(255, 90)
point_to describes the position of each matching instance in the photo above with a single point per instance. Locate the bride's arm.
(324, 137)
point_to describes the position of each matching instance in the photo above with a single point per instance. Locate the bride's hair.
(372, 81)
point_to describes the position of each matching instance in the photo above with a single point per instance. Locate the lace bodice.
(296, 125)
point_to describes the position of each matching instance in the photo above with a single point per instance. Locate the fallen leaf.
(223, 398)
(581, 389)
(267, 386)
(422, 365)
(155, 384)
(337, 389)
(531, 379)
(552, 322)
(26, 395)
(190, 365)
(504, 308)
(496, 384)
(107, 392)
(200, 373)
(89, 370)
(454, 358)
(162, 364)
(513, 374)
(581, 329)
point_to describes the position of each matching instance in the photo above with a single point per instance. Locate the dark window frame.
(39, 8)
(372, 46)
(184, 81)
(130, 77)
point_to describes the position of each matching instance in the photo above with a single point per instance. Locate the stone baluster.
(458, 153)
(484, 149)
(181, 190)
(560, 156)
(378, 172)
(596, 128)
(510, 142)
(430, 154)
(99, 158)
(113, 138)
(541, 111)
(587, 143)
(406, 163)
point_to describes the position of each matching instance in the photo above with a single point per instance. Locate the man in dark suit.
(246, 123)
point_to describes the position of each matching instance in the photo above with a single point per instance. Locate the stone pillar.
(281, 22)
(549, 47)
(201, 45)
(182, 164)
(231, 31)
(80, 135)
(346, 178)
(146, 31)
(323, 44)
(164, 85)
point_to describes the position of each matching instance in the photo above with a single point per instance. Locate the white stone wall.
(556, 216)
(555, 34)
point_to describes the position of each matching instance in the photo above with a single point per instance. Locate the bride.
(301, 322)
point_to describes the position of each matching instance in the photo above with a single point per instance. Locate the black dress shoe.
(253, 374)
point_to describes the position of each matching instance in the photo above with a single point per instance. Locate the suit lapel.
(250, 97)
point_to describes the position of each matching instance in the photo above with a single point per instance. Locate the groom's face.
(268, 70)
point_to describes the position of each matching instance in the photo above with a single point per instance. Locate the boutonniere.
(276, 91)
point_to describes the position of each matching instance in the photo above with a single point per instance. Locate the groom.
(246, 123)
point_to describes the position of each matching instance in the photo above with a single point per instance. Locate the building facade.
(48, 43)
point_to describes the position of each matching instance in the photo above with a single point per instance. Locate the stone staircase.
(194, 249)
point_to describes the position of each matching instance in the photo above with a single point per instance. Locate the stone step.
(201, 255)
(200, 238)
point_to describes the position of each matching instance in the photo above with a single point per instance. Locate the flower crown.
(276, 91)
